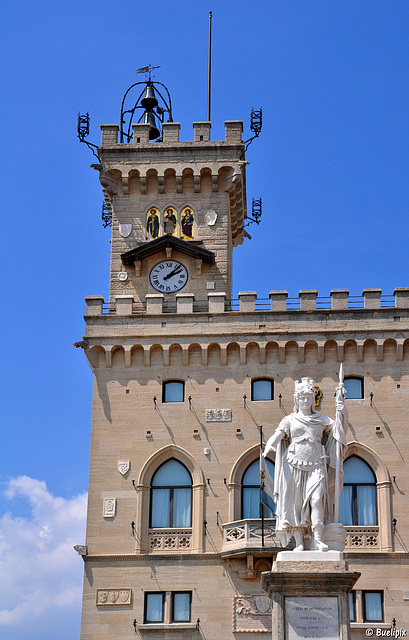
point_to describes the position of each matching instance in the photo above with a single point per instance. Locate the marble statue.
(310, 449)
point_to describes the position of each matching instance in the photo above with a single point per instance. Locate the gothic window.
(250, 491)
(358, 497)
(173, 391)
(354, 387)
(171, 496)
(262, 389)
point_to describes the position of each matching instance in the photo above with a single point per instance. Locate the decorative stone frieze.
(218, 415)
(114, 596)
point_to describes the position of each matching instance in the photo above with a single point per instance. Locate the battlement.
(170, 134)
(247, 302)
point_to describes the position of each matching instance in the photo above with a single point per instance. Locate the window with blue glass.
(154, 607)
(358, 497)
(173, 391)
(262, 389)
(352, 606)
(372, 602)
(354, 387)
(171, 496)
(181, 606)
(250, 491)
(168, 607)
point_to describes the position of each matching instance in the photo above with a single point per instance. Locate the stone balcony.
(243, 537)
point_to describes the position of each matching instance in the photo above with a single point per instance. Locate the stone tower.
(183, 380)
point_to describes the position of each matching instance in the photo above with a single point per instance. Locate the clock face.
(168, 276)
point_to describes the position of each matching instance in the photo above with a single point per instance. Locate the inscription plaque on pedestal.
(311, 617)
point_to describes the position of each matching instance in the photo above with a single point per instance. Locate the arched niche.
(369, 351)
(175, 355)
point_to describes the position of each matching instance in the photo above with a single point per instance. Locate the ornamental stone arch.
(235, 479)
(383, 491)
(143, 496)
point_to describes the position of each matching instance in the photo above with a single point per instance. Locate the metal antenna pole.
(209, 67)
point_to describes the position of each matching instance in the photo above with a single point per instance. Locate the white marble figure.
(310, 449)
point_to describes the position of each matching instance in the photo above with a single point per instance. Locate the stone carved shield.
(211, 217)
(124, 595)
(262, 603)
(125, 230)
(123, 466)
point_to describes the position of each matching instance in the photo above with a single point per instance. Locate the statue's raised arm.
(310, 449)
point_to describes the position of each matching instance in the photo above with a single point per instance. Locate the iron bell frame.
(125, 132)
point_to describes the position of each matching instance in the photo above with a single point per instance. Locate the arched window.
(262, 389)
(354, 386)
(171, 496)
(250, 491)
(358, 497)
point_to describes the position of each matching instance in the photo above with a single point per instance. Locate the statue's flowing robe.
(310, 451)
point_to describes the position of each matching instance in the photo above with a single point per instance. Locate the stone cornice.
(151, 557)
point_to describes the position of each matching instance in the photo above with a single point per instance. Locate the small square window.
(262, 389)
(373, 606)
(181, 606)
(173, 391)
(154, 607)
(354, 387)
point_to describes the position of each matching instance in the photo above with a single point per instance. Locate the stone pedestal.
(309, 592)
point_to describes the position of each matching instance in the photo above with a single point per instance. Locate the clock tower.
(177, 209)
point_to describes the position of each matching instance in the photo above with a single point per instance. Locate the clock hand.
(172, 273)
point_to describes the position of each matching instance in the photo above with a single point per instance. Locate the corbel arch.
(143, 496)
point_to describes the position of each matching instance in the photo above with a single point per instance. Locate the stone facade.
(144, 338)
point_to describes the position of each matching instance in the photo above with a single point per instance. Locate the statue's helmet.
(304, 386)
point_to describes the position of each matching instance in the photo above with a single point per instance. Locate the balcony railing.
(248, 534)
(362, 538)
(169, 540)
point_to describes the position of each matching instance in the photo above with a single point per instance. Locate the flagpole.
(338, 419)
(261, 504)
(209, 67)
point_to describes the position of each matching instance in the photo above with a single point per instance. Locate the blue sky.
(331, 166)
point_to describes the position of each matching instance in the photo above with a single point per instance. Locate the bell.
(149, 101)
(149, 118)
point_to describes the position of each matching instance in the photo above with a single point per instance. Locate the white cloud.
(40, 573)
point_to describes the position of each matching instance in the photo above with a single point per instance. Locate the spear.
(340, 394)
